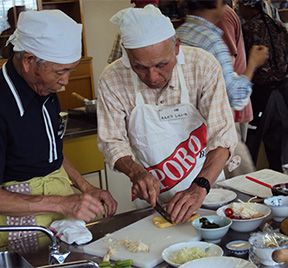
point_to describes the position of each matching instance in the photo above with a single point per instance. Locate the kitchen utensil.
(90, 105)
(280, 189)
(212, 235)
(146, 232)
(259, 182)
(211, 250)
(162, 212)
(247, 225)
(262, 251)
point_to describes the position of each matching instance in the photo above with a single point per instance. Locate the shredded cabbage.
(187, 254)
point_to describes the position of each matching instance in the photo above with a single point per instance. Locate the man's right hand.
(146, 187)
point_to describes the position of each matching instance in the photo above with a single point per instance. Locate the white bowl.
(247, 225)
(279, 206)
(212, 250)
(218, 262)
(263, 254)
(212, 235)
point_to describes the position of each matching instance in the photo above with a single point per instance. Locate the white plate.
(218, 197)
(219, 262)
(212, 250)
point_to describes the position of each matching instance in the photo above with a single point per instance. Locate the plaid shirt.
(198, 32)
(204, 80)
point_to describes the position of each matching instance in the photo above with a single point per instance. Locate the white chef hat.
(49, 34)
(141, 27)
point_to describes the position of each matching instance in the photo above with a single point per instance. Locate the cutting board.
(145, 231)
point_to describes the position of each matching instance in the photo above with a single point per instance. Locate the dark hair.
(192, 5)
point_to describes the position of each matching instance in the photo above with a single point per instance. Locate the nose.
(64, 79)
(153, 74)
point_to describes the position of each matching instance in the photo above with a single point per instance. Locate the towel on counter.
(70, 231)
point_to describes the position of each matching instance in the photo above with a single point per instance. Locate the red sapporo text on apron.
(180, 163)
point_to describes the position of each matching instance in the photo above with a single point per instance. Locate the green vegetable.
(122, 264)
(104, 264)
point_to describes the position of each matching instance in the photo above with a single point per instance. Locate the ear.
(177, 46)
(28, 61)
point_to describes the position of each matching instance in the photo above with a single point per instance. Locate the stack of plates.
(218, 197)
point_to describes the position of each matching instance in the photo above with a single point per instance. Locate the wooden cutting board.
(144, 230)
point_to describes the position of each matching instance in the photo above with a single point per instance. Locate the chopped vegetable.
(206, 224)
(134, 246)
(187, 254)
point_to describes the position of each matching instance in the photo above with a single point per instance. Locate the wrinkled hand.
(185, 203)
(146, 187)
(258, 55)
(87, 206)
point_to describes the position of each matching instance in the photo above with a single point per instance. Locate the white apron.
(169, 141)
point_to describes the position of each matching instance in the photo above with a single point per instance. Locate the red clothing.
(233, 38)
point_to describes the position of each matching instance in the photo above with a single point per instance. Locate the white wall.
(100, 32)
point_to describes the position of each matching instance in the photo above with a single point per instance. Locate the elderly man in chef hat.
(164, 118)
(36, 177)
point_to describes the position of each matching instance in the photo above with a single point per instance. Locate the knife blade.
(162, 212)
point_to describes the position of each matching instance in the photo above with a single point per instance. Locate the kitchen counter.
(80, 124)
(108, 225)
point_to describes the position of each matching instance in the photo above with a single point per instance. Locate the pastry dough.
(160, 222)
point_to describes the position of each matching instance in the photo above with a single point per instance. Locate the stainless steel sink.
(10, 259)
(76, 264)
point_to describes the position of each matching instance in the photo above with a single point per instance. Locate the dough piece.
(160, 222)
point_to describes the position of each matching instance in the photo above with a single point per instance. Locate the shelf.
(57, 2)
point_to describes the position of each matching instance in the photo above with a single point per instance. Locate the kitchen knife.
(162, 212)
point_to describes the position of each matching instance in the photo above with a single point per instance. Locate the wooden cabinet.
(81, 80)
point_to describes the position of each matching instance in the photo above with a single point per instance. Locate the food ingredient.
(187, 254)
(134, 246)
(206, 224)
(118, 264)
(160, 222)
(242, 211)
(111, 251)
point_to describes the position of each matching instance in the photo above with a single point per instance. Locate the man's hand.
(185, 203)
(88, 205)
(258, 55)
(146, 187)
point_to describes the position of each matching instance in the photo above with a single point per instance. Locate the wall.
(100, 32)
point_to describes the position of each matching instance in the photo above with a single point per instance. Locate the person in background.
(7, 51)
(233, 38)
(200, 30)
(270, 85)
(116, 51)
(164, 118)
(35, 176)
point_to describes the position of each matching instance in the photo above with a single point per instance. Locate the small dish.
(212, 235)
(218, 197)
(238, 247)
(219, 262)
(212, 250)
(279, 206)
